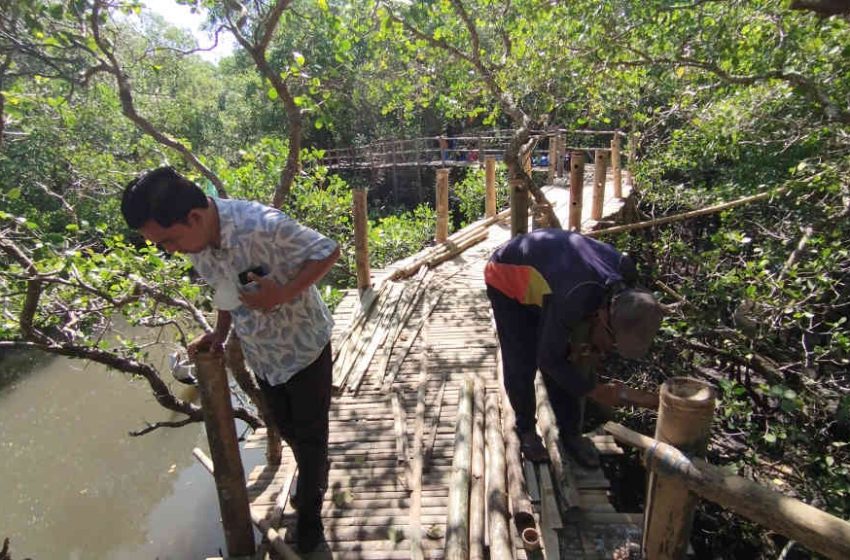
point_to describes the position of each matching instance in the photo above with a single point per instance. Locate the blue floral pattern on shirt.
(278, 343)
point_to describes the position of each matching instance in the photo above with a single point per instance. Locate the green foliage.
(470, 192)
(394, 237)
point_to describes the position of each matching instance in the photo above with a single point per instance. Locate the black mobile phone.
(257, 270)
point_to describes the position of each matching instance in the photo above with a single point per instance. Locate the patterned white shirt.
(281, 342)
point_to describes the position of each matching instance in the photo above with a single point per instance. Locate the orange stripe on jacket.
(520, 282)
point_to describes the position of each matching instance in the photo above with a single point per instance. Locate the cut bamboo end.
(530, 538)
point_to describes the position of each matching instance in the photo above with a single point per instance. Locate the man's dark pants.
(518, 326)
(300, 407)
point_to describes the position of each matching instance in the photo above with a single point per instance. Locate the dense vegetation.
(728, 99)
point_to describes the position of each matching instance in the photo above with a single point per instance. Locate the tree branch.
(804, 84)
(125, 94)
(257, 51)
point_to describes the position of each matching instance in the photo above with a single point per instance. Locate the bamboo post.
(361, 239)
(224, 448)
(553, 157)
(477, 528)
(497, 497)
(490, 186)
(480, 151)
(442, 205)
(562, 142)
(600, 172)
(616, 169)
(576, 189)
(457, 522)
(815, 529)
(519, 207)
(394, 156)
(684, 420)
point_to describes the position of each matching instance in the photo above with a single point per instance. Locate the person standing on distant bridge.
(263, 266)
(561, 301)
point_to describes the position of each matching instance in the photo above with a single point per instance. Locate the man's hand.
(207, 342)
(267, 296)
(608, 394)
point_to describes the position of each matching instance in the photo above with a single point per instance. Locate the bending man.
(561, 301)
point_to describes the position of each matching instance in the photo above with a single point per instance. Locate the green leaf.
(14, 194)
(272, 93)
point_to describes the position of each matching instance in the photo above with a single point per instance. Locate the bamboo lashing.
(815, 529)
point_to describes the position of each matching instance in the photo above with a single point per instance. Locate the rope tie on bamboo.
(666, 459)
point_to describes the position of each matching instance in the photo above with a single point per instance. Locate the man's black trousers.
(300, 407)
(518, 327)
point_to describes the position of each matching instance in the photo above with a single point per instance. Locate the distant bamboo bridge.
(424, 461)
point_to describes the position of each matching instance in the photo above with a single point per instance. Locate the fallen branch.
(687, 215)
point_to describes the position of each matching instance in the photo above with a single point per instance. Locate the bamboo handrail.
(818, 530)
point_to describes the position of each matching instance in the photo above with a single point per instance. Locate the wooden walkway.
(447, 337)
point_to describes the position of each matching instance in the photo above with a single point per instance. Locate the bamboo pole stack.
(455, 244)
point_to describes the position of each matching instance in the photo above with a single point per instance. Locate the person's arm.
(271, 294)
(212, 341)
(560, 317)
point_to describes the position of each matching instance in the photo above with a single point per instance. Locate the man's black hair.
(161, 195)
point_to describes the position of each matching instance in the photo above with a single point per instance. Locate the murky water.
(75, 485)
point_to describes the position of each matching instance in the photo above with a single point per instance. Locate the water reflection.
(75, 485)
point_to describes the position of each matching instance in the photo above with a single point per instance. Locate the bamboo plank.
(376, 338)
(457, 538)
(550, 518)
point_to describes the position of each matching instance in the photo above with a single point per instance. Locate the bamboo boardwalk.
(424, 337)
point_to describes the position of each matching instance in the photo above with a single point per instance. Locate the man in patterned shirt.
(263, 267)
(561, 301)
